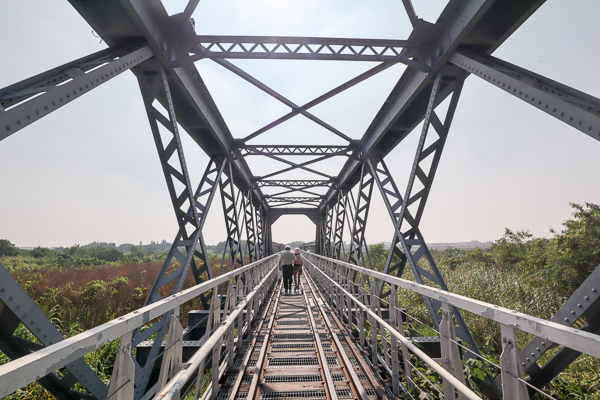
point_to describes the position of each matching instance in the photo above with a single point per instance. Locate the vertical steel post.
(513, 386)
(340, 218)
(230, 211)
(122, 380)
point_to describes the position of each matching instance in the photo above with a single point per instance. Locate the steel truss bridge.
(247, 333)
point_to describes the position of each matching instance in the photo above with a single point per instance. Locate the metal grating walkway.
(301, 350)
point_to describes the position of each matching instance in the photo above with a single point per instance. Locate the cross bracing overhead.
(332, 184)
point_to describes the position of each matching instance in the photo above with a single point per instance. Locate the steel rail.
(457, 384)
(355, 381)
(320, 352)
(23, 371)
(238, 381)
(254, 389)
(365, 367)
(576, 339)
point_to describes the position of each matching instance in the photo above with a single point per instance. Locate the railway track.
(300, 349)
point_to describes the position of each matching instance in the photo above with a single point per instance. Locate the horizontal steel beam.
(293, 150)
(293, 199)
(300, 48)
(293, 183)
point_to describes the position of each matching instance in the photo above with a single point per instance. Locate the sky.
(90, 172)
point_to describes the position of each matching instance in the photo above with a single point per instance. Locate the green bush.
(7, 248)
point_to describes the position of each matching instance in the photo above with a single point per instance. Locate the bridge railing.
(253, 282)
(355, 301)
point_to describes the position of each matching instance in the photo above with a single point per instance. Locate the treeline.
(96, 253)
(13, 257)
(520, 272)
(564, 260)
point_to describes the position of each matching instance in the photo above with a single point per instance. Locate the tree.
(511, 249)
(575, 252)
(42, 252)
(7, 248)
(378, 255)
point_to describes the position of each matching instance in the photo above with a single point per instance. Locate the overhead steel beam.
(294, 166)
(462, 24)
(293, 183)
(252, 80)
(25, 102)
(297, 189)
(300, 48)
(311, 212)
(333, 92)
(294, 150)
(412, 15)
(569, 105)
(293, 199)
(123, 22)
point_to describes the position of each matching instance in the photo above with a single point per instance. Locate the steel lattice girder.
(569, 105)
(414, 239)
(197, 113)
(232, 222)
(293, 199)
(27, 101)
(301, 48)
(293, 183)
(340, 218)
(464, 26)
(361, 214)
(189, 209)
(294, 150)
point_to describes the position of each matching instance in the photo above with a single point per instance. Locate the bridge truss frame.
(160, 49)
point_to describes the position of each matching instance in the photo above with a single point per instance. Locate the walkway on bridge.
(300, 349)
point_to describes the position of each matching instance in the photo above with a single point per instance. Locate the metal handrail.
(27, 369)
(462, 388)
(585, 342)
(336, 275)
(173, 389)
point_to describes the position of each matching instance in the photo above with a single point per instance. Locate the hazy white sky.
(90, 171)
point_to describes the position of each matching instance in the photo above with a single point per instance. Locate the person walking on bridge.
(297, 268)
(286, 259)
